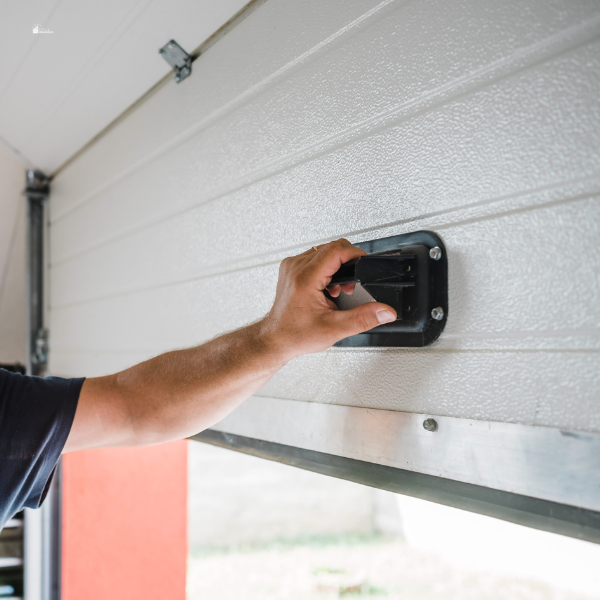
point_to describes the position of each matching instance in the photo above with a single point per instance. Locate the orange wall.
(125, 523)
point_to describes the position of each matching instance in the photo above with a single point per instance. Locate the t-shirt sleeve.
(36, 416)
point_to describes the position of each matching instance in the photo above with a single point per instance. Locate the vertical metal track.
(52, 539)
(37, 192)
(43, 557)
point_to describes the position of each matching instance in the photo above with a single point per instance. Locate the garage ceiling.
(60, 89)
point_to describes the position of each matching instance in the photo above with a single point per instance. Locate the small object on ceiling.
(178, 58)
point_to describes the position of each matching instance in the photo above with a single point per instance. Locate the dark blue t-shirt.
(35, 420)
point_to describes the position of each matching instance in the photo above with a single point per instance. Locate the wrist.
(272, 343)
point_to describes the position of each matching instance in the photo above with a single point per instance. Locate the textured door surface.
(310, 121)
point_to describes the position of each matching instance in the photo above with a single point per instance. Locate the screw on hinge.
(437, 313)
(430, 424)
(435, 253)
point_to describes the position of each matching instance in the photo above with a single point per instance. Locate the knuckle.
(286, 264)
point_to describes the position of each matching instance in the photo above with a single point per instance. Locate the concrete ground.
(359, 566)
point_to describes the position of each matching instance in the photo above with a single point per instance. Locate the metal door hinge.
(37, 186)
(39, 356)
(178, 58)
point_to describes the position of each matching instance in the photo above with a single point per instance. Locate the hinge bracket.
(178, 58)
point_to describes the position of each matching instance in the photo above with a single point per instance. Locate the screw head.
(437, 313)
(430, 424)
(435, 253)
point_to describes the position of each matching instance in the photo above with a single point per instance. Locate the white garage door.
(479, 120)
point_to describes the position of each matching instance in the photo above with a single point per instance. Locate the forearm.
(183, 392)
(179, 393)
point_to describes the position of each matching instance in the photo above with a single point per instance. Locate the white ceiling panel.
(58, 90)
(17, 39)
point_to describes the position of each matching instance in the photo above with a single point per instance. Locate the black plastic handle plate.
(400, 271)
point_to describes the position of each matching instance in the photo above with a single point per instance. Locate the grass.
(348, 540)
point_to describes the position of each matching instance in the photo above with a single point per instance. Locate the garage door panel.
(311, 121)
(506, 288)
(467, 152)
(282, 122)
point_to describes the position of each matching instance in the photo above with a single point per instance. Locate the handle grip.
(408, 272)
(345, 274)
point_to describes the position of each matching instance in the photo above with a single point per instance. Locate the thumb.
(362, 318)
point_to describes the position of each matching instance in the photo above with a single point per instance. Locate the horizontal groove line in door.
(257, 261)
(586, 186)
(430, 350)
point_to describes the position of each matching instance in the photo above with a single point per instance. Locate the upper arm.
(101, 419)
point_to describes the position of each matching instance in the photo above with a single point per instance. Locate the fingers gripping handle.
(409, 277)
(389, 268)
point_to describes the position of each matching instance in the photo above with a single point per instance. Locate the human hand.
(303, 319)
